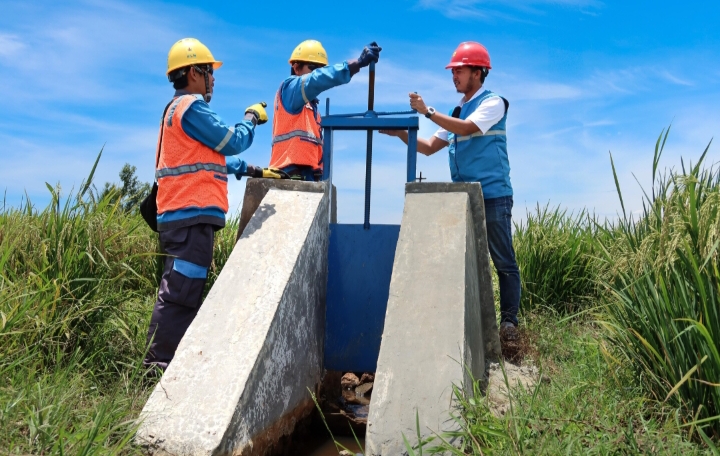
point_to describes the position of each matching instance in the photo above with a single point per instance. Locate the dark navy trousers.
(498, 220)
(307, 173)
(189, 252)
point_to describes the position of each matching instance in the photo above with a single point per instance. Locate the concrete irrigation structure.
(440, 322)
(264, 335)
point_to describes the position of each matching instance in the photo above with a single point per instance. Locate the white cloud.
(10, 45)
(465, 9)
(561, 125)
(674, 79)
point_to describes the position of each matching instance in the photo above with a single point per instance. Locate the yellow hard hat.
(309, 51)
(189, 51)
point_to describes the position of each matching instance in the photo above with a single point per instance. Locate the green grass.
(555, 251)
(662, 308)
(77, 285)
(636, 369)
(625, 319)
(587, 404)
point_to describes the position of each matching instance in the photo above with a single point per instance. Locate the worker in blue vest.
(475, 134)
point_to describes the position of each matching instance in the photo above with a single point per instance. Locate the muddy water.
(328, 447)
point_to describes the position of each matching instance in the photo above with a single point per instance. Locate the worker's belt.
(304, 135)
(186, 169)
(479, 133)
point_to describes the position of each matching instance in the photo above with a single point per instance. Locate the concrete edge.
(491, 334)
(256, 189)
(266, 440)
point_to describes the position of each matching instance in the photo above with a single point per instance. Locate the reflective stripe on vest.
(304, 134)
(189, 173)
(481, 157)
(480, 133)
(297, 138)
(184, 169)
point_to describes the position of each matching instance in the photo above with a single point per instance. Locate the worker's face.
(301, 68)
(196, 81)
(465, 79)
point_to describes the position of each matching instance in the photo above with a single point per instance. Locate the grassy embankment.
(622, 319)
(77, 285)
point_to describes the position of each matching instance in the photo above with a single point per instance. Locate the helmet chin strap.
(208, 92)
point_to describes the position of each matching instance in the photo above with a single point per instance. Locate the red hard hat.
(470, 53)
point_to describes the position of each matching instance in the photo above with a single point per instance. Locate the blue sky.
(584, 77)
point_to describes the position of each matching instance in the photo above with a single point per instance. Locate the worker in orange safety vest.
(196, 153)
(297, 137)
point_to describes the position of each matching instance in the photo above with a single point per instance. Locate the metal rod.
(368, 162)
(327, 145)
(412, 155)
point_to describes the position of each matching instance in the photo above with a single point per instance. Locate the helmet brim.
(461, 64)
(215, 64)
(309, 60)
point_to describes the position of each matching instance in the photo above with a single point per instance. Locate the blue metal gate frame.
(360, 257)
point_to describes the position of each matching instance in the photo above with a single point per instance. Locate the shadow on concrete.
(264, 212)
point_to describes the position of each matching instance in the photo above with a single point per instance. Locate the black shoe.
(508, 332)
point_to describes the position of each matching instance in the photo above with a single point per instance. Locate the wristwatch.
(430, 113)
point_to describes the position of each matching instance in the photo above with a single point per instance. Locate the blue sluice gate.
(360, 257)
(360, 264)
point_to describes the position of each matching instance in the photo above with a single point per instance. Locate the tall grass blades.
(77, 284)
(663, 310)
(555, 253)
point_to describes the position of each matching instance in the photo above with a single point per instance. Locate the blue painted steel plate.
(370, 123)
(360, 267)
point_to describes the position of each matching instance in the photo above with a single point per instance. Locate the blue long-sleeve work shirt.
(202, 124)
(296, 91)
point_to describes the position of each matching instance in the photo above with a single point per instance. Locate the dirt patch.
(517, 377)
(518, 349)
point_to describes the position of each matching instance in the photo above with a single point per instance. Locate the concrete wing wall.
(240, 375)
(491, 339)
(432, 324)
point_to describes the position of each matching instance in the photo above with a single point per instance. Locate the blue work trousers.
(180, 294)
(498, 220)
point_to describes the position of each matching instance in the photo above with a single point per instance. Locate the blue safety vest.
(481, 157)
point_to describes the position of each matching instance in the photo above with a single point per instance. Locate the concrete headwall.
(240, 376)
(491, 338)
(434, 326)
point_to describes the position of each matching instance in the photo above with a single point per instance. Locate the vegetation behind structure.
(622, 316)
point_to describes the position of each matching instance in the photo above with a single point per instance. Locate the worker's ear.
(193, 74)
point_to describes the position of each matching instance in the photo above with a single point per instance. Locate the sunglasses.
(207, 69)
(313, 67)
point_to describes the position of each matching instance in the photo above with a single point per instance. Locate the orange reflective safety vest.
(297, 138)
(189, 173)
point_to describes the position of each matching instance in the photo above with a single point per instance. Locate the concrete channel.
(266, 334)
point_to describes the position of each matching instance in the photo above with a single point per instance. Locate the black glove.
(371, 53)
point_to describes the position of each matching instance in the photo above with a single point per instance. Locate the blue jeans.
(498, 219)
